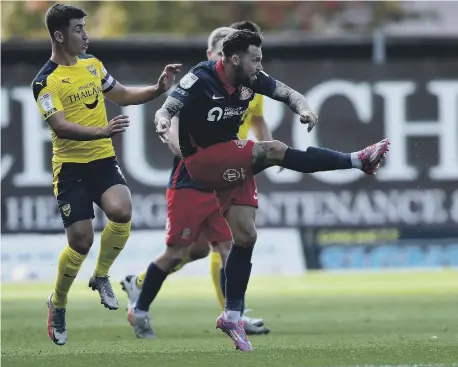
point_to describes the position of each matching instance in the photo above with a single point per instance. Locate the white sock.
(355, 161)
(232, 316)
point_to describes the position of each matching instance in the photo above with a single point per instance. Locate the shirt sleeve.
(258, 108)
(264, 84)
(108, 82)
(188, 88)
(46, 93)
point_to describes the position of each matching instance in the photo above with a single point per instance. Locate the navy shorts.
(78, 185)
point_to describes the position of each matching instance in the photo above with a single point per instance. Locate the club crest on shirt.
(245, 93)
(91, 68)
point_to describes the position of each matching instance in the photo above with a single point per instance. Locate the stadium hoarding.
(412, 103)
(379, 248)
(28, 257)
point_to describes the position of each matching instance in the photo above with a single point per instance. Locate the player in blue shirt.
(211, 100)
(195, 233)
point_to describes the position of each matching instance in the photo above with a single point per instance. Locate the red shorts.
(191, 213)
(227, 169)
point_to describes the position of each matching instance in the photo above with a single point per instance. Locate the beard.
(241, 78)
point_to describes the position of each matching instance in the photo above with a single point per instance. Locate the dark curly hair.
(246, 25)
(239, 41)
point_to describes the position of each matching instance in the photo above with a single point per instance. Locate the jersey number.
(215, 114)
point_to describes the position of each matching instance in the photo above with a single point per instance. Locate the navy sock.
(315, 160)
(223, 289)
(150, 287)
(222, 279)
(238, 269)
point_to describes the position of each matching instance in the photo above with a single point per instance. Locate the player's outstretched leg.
(313, 159)
(157, 272)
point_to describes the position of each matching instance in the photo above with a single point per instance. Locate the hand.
(167, 77)
(309, 118)
(116, 126)
(162, 128)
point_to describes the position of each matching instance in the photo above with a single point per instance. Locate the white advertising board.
(27, 257)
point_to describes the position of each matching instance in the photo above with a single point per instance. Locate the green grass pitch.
(319, 319)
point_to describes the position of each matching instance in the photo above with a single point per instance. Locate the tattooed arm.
(279, 91)
(290, 97)
(188, 89)
(297, 102)
(164, 115)
(172, 137)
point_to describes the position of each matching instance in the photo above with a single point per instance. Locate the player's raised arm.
(297, 102)
(283, 93)
(127, 96)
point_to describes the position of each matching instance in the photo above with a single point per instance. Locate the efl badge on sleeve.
(46, 102)
(188, 81)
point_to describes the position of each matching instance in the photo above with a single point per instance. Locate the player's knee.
(246, 237)
(120, 212)
(174, 255)
(276, 151)
(117, 204)
(199, 249)
(80, 240)
(268, 153)
(198, 252)
(241, 221)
